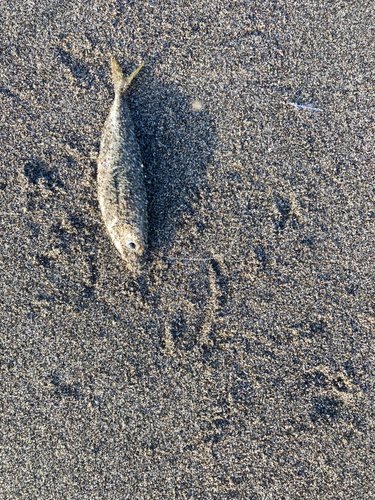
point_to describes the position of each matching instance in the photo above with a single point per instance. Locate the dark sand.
(247, 372)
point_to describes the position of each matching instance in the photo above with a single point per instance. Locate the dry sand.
(240, 363)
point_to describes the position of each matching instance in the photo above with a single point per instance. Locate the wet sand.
(240, 362)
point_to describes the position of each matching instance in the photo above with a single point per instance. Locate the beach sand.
(239, 364)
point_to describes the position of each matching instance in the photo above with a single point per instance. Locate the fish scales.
(121, 189)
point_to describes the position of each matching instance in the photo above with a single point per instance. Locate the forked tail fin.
(121, 83)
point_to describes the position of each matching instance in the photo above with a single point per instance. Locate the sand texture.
(239, 363)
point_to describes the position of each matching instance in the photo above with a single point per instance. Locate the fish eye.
(131, 245)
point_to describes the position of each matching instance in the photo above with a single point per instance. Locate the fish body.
(121, 190)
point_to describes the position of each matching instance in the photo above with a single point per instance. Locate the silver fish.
(121, 190)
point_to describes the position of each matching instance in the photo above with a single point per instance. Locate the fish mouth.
(129, 243)
(133, 262)
(133, 259)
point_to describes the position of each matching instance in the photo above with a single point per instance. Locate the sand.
(240, 362)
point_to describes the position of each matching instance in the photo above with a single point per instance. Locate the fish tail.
(121, 83)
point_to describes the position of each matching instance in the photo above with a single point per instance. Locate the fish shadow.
(177, 144)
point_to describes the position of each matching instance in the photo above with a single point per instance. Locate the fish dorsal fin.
(121, 83)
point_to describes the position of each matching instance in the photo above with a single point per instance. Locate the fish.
(301, 106)
(120, 177)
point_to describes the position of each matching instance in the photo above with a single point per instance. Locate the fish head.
(130, 242)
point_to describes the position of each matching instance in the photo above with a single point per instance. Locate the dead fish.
(121, 190)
